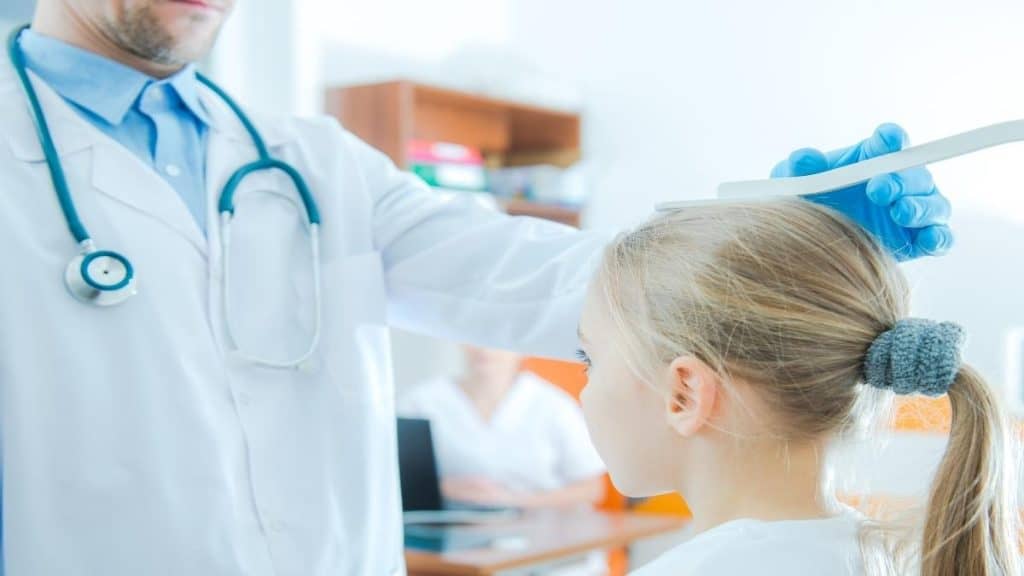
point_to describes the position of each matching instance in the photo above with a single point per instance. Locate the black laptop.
(422, 502)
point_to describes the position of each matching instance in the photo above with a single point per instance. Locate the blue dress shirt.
(161, 121)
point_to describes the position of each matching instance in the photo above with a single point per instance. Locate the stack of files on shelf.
(540, 184)
(446, 165)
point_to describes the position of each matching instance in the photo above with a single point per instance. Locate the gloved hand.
(904, 210)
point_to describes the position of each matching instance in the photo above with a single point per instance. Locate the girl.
(728, 345)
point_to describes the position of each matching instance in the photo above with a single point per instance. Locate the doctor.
(147, 425)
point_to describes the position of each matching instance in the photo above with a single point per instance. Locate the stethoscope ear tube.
(60, 184)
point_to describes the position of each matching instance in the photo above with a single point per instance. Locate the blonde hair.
(789, 296)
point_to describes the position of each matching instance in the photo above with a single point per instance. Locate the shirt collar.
(72, 73)
(185, 83)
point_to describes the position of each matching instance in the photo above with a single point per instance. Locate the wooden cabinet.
(388, 115)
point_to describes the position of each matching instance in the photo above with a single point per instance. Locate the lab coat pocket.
(271, 296)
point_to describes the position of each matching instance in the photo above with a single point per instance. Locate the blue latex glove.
(904, 210)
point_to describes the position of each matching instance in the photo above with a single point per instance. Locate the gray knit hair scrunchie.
(915, 356)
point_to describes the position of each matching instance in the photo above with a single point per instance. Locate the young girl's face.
(625, 416)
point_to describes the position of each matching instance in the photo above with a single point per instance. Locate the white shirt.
(535, 441)
(783, 548)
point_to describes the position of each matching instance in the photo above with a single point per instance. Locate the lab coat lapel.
(116, 172)
(119, 174)
(69, 136)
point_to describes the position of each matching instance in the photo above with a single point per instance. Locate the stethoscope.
(106, 278)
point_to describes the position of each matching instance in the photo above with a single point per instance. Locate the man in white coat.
(133, 441)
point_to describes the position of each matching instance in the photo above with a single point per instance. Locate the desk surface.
(539, 537)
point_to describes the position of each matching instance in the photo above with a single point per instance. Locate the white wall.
(280, 55)
(712, 91)
(257, 55)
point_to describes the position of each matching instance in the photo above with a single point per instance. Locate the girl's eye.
(584, 359)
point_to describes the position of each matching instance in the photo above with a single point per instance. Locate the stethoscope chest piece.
(101, 278)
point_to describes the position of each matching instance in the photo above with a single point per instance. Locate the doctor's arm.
(459, 271)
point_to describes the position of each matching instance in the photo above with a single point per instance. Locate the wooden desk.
(537, 538)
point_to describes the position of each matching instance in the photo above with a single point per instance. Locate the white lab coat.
(133, 444)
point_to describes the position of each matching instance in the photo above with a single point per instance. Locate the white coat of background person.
(506, 437)
(133, 442)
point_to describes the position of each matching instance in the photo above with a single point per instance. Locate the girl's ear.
(694, 390)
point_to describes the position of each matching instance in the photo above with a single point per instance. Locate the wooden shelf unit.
(390, 114)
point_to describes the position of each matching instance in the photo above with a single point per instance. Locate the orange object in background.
(923, 414)
(568, 376)
(664, 505)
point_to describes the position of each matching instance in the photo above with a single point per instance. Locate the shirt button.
(244, 399)
(172, 170)
(277, 526)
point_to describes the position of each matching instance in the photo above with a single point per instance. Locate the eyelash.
(584, 359)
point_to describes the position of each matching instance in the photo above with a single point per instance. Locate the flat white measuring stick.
(928, 153)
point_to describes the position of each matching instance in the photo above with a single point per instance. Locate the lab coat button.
(244, 399)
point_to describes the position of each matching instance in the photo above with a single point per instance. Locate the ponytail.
(972, 520)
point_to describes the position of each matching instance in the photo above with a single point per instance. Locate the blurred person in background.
(506, 437)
